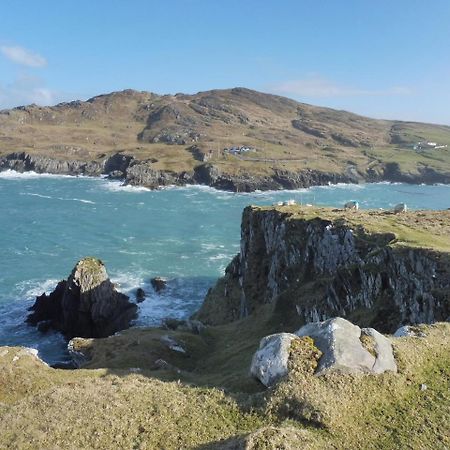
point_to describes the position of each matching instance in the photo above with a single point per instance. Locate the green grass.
(417, 229)
(42, 407)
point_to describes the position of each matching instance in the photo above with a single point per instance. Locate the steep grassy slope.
(287, 135)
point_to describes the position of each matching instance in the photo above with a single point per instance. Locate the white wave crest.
(118, 186)
(13, 175)
(30, 289)
(35, 195)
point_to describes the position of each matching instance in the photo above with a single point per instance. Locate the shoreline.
(141, 173)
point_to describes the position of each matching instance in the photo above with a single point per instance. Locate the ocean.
(188, 234)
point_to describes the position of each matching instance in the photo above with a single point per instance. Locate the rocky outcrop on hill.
(86, 304)
(335, 345)
(213, 176)
(310, 268)
(143, 174)
(348, 348)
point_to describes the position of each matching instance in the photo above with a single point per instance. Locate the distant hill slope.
(286, 134)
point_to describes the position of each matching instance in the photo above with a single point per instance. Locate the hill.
(178, 133)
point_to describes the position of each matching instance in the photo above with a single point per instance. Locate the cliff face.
(310, 268)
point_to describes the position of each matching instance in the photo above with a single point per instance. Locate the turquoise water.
(185, 234)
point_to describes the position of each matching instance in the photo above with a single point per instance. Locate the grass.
(114, 407)
(417, 229)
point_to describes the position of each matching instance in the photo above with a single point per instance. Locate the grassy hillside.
(286, 134)
(128, 404)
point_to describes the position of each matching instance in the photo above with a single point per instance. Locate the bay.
(188, 235)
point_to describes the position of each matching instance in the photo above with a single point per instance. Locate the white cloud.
(320, 88)
(23, 56)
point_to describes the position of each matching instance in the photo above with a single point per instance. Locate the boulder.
(86, 304)
(140, 295)
(409, 331)
(270, 362)
(158, 283)
(347, 348)
(172, 344)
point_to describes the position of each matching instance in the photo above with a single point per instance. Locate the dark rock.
(24, 162)
(118, 163)
(86, 304)
(140, 295)
(171, 323)
(44, 326)
(116, 175)
(308, 129)
(143, 174)
(191, 326)
(158, 283)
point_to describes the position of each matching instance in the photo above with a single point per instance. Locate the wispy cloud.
(25, 90)
(23, 56)
(319, 87)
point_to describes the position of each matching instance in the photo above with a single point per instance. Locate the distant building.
(428, 146)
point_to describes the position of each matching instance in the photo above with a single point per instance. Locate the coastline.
(140, 173)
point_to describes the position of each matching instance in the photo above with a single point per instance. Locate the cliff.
(307, 264)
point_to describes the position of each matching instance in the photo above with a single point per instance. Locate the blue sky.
(388, 59)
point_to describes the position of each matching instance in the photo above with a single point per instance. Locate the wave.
(221, 256)
(35, 195)
(14, 175)
(347, 186)
(118, 186)
(82, 200)
(30, 289)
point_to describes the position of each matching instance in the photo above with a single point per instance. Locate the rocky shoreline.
(143, 173)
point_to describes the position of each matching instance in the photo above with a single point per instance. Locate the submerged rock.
(158, 283)
(86, 304)
(140, 295)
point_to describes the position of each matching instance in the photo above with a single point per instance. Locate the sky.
(386, 58)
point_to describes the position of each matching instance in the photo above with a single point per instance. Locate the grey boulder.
(270, 362)
(341, 343)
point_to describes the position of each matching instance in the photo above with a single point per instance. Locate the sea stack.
(85, 305)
